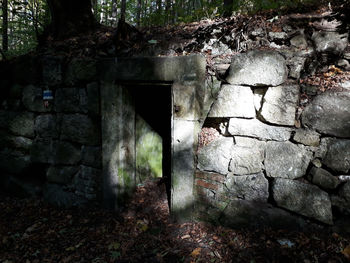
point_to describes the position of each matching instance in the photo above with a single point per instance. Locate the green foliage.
(26, 20)
(148, 152)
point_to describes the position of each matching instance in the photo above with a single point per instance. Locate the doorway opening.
(153, 122)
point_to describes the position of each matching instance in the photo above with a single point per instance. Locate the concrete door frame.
(187, 76)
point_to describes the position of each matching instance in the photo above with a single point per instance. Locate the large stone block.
(215, 157)
(80, 128)
(304, 199)
(91, 156)
(43, 151)
(234, 101)
(338, 155)
(46, 126)
(61, 174)
(14, 142)
(280, 104)
(342, 199)
(243, 213)
(329, 114)
(307, 137)
(19, 123)
(286, 160)
(323, 178)
(80, 70)
(246, 160)
(54, 152)
(71, 100)
(52, 70)
(66, 153)
(87, 182)
(258, 68)
(257, 129)
(330, 42)
(254, 187)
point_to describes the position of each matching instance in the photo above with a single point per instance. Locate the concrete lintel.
(161, 69)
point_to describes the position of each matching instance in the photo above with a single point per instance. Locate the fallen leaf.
(196, 252)
(346, 252)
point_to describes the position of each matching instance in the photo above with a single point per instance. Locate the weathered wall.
(267, 158)
(56, 150)
(264, 158)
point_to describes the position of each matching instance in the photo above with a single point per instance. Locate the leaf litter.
(33, 231)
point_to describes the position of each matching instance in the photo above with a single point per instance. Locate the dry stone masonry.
(273, 160)
(266, 164)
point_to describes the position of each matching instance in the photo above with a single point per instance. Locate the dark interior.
(153, 104)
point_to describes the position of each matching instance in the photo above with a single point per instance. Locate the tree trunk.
(69, 18)
(123, 10)
(138, 14)
(167, 11)
(5, 40)
(114, 12)
(228, 8)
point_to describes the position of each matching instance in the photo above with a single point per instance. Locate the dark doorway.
(153, 103)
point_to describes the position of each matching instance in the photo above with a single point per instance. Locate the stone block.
(246, 160)
(338, 155)
(329, 113)
(46, 126)
(257, 68)
(243, 213)
(66, 153)
(234, 101)
(91, 156)
(257, 129)
(71, 100)
(216, 156)
(52, 70)
(280, 104)
(14, 142)
(61, 174)
(80, 128)
(80, 70)
(330, 42)
(286, 160)
(299, 41)
(323, 178)
(45, 150)
(304, 199)
(254, 187)
(19, 123)
(307, 137)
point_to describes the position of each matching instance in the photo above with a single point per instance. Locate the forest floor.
(32, 231)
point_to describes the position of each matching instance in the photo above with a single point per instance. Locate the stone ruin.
(267, 162)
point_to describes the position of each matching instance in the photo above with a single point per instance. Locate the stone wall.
(266, 157)
(54, 151)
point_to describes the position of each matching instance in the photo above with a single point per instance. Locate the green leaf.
(114, 246)
(115, 255)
